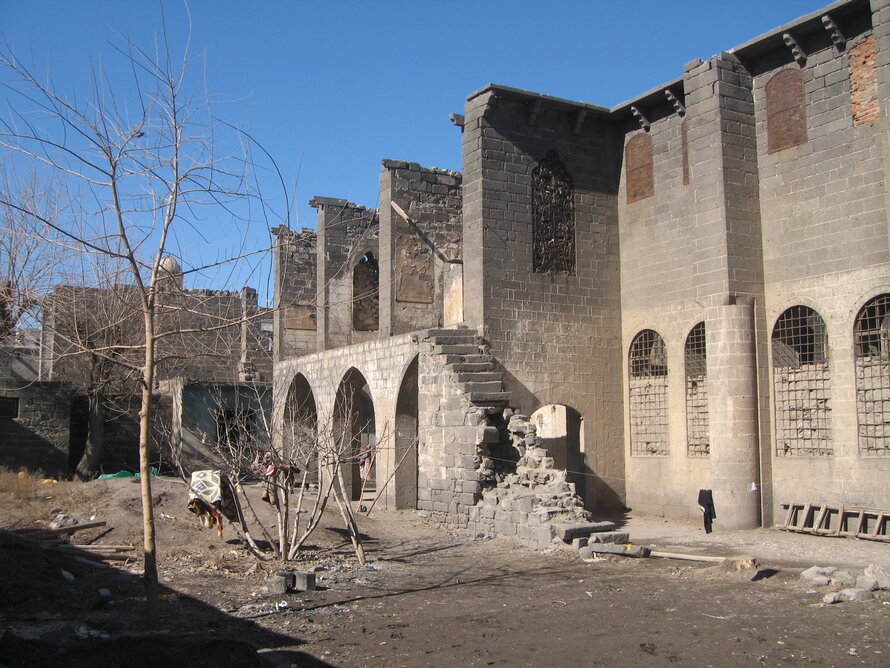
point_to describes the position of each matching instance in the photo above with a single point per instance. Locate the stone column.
(732, 408)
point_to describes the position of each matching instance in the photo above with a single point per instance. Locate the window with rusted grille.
(697, 433)
(871, 338)
(553, 209)
(648, 405)
(801, 384)
(786, 121)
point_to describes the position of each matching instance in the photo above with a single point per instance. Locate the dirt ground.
(426, 597)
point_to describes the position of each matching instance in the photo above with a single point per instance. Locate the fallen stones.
(566, 532)
(848, 586)
(284, 581)
(879, 573)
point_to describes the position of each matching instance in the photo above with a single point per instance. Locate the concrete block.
(279, 583)
(303, 581)
(623, 550)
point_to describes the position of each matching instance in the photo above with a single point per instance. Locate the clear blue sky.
(332, 87)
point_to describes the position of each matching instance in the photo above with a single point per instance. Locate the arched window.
(366, 295)
(553, 209)
(639, 173)
(648, 383)
(801, 384)
(871, 338)
(786, 120)
(697, 432)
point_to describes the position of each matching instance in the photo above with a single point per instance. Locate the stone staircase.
(466, 356)
(518, 492)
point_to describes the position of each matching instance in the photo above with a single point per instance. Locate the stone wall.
(295, 318)
(548, 295)
(419, 254)
(37, 438)
(346, 233)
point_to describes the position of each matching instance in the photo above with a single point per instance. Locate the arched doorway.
(406, 440)
(300, 433)
(354, 438)
(560, 429)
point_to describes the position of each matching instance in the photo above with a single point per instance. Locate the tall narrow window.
(802, 384)
(366, 294)
(786, 121)
(648, 395)
(871, 337)
(553, 210)
(697, 432)
(638, 166)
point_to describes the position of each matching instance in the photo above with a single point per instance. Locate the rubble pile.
(845, 585)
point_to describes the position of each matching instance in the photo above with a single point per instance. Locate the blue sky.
(330, 88)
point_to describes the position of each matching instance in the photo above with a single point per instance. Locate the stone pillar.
(732, 407)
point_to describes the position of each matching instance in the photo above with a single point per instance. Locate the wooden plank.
(840, 521)
(879, 525)
(803, 517)
(817, 524)
(789, 515)
(73, 528)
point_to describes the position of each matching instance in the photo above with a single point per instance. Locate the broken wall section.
(295, 316)
(421, 242)
(347, 273)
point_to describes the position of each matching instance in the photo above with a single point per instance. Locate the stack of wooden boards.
(56, 541)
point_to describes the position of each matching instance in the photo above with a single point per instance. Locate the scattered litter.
(718, 616)
(558, 603)
(589, 593)
(167, 517)
(104, 593)
(68, 576)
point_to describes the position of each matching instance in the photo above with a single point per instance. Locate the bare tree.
(304, 449)
(139, 163)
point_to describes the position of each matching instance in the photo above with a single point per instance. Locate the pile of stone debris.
(845, 585)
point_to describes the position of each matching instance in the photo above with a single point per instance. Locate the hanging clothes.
(706, 503)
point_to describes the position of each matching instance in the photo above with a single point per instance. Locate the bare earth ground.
(426, 598)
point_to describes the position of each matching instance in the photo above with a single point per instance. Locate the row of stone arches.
(349, 428)
(801, 385)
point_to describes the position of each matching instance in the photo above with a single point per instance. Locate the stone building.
(213, 377)
(688, 290)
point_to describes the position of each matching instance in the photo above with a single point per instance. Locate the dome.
(170, 272)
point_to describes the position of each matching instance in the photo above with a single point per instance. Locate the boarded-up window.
(553, 209)
(648, 395)
(871, 336)
(638, 165)
(864, 81)
(697, 431)
(786, 123)
(801, 384)
(366, 295)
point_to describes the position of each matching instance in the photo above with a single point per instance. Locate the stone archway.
(300, 427)
(406, 445)
(355, 432)
(561, 430)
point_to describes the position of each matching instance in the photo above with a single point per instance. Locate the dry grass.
(22, 485)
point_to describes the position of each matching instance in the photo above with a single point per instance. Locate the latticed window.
(697, 433)
(648, 395)
(553, 209)
(871, 337)
(801, 384)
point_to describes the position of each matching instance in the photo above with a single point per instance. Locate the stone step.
(463, 366)
(448, 331)
(566, 532)
(489, 397)
(481, 376)
(486, 387)
(478, 357)
(456, 340)
(470, 349)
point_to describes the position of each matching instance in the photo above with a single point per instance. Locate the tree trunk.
(88, 466)
(150, 572)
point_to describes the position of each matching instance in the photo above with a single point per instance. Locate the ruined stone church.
(618, 307)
